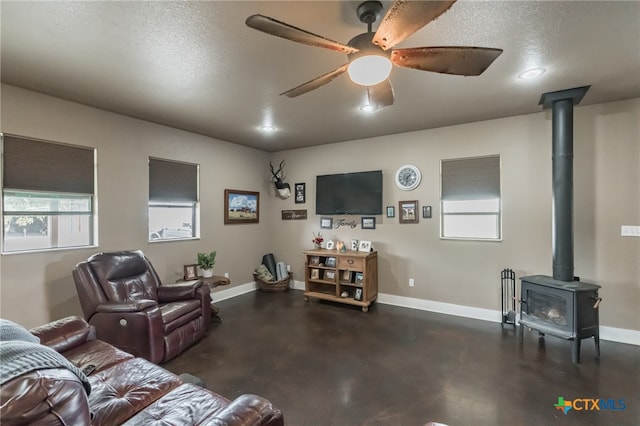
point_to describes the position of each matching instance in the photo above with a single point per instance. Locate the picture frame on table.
(364, 245)
(241, 207)
(330, 275)
(346, 276)
(354, 245)
(330, 262)
(359, 277)
(314, 260)
(408, 211)
(331, 245)
(391, 211)
(326, 222)
(315, 274)
(190, 272)
(368, 222)
(300, 193)
(358, 294)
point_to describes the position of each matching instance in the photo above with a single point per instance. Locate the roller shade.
(471, 178)
(36, 165)
(172, 181)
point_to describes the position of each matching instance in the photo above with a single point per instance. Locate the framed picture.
(315, 274)
(326, 222)
(358, 295)
(314, 260)
(408, 211)
(346, 276)
(330, 275)
(241, 206)
(330, 262)
(301, 193)
(359, 277)
(331, 245)
(391, 211)
(364, 246)
(368, 222)
(426, 212)
(354, 245)
(190, 272)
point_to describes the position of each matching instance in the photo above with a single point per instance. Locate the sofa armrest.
(123, 307)
(248, 410)
(181, 291)
(65, 333)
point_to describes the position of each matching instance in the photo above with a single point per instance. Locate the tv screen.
(349, 193)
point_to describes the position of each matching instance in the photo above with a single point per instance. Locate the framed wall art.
(326, 222)
(368, 222)
(408, 211)
(426, 212)
(301, 193)
(241, 207)
(391, 211)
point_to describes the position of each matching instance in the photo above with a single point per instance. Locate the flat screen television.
(349, 193)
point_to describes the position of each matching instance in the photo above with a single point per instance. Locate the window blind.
(172, 181)
(37, 165)
(471, 178)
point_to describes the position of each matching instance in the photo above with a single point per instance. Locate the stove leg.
(575, 351)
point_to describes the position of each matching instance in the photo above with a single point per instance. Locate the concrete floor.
(330, 364)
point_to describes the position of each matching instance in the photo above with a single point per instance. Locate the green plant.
(206, 260)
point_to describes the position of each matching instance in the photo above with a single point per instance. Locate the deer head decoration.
(283, 189)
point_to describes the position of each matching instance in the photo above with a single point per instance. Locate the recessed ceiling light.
(367, 108)
(531, 73)
(267, 128)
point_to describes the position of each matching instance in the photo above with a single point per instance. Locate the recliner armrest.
(248, 409)
(130, 306)
(181, 291)
(65, 333)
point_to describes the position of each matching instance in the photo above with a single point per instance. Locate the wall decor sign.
(241, 206)
(294, 214)
(301, 193)
(408, 211)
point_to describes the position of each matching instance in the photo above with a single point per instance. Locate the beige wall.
(607, 195)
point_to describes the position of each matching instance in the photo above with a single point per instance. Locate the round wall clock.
(408, 177)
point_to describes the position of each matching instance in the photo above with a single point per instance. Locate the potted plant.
(206, 262)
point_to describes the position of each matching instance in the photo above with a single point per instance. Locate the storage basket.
(273, 286)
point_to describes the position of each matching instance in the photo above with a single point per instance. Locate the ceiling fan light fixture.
(369, 70)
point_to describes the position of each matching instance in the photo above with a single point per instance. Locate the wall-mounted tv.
(349, 193)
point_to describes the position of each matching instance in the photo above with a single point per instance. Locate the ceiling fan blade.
(289, 32)
(380, 95)
(406, 17)
(456, 60)
(315, 83)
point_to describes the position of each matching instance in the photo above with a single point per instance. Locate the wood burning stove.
(565, 309)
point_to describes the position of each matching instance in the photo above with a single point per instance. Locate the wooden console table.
(212, 282)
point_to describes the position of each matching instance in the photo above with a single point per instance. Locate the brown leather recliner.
(123, 298)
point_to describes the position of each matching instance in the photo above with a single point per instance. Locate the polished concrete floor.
(329, 364)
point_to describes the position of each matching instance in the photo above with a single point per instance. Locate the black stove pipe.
(562, 103)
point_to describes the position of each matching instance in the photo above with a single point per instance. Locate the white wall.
(607, 195)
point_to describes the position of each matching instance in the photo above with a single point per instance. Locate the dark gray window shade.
(172, 181)
(36, 165)
(471, 178)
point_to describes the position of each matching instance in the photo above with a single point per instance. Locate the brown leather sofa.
(123, 389)
(123, 298)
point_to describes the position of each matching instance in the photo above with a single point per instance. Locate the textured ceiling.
(196, 66)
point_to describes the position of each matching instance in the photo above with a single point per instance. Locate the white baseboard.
(613, 334)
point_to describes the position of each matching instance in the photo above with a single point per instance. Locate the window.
(471, 203)
(47, 196)
(173, 200)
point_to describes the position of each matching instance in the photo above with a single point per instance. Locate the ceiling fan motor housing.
(369, 11)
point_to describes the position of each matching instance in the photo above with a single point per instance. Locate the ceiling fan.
(371, 55)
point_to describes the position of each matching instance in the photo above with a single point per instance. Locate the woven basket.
(273, 286)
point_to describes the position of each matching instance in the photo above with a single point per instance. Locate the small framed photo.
(358, 294)
(315, 274)
(364, 246)
(331, 245)
(314, 260)
(330, 262)
(426, 212)
(301, 193)
(391, 211)
(368, 222)
(190, 272)
(408, 211)
(354, 245)
(359, 277)
(330, 275)
(346, 276)
(326, 222)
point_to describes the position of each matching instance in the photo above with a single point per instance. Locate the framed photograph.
(301, 193)
(314, 260)
(426, 212)
(326, 222)
(358, 294)
(330, 245)
(315, 274)
(330, 275)
(330, 262)
(346, 276)
(241, 206)
(391, 211)
(368, 222)
(359, 277)
(354, 245)
(364, 246)
(408, 211)
(190, 272)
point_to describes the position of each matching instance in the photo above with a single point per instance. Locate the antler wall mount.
(371, 56)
